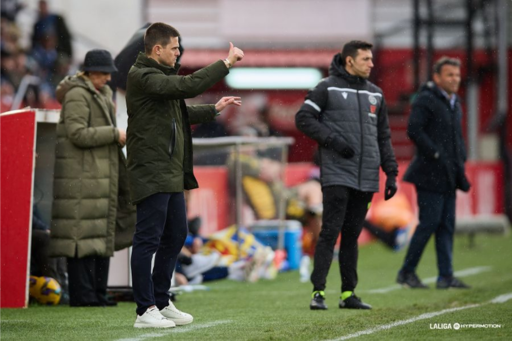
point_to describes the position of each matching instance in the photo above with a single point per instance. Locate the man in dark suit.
(437, 171)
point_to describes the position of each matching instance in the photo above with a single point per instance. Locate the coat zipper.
(172, 143)
(362, 141)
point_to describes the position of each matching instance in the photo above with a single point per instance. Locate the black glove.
(338, 145)
(391, 188)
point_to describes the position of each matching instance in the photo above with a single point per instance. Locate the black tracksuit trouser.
(344, 211)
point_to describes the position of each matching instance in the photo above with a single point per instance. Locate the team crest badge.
(372, 99)
(373, 108)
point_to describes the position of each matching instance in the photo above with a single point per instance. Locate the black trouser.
(162, 229)
(344, 211)
(88, 278)
(437, 216)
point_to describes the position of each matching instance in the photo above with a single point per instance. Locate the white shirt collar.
(451, 98)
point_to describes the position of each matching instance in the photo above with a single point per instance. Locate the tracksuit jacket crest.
(355, 110)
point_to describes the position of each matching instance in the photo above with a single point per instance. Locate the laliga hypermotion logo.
(441, 326)
(457, 326)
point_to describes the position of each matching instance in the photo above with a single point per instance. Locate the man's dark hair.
(438, 66)
(158, 34)
(350, 49)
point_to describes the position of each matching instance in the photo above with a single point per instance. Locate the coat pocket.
(172, 142)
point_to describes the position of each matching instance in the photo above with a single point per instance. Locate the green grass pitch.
(279, 309)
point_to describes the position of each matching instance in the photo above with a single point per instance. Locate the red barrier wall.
(213, 203)
(17, 141)
(211, 200)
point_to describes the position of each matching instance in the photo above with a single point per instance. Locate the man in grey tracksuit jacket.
(347, 115)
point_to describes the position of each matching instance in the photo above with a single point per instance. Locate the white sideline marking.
(193, 327)
(176, 330)
(401, 323)
(15, 321)
(460, 273)
(498, 299)
(502, 298)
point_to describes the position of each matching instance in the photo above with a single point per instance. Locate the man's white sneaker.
(152, 318)
(178, 317)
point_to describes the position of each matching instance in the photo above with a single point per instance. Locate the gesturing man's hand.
(228, 100)
(235, 54)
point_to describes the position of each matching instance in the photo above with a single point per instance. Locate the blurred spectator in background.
(91, 216)
(263, 123)
(16, 66)
(10, 49)
(250, 115)
(197, 263)
(10, 34)
(51, 30)
(8, 89)
(263, 188)
(51, 48)
(46, 55)
(34, 73)
(10, 8)
(391, 221)
(437, 171)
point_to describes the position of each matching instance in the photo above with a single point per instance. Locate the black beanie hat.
(100, 61)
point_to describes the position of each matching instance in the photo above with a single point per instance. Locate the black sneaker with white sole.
(318, 301)
(353, 302)
(410, 280)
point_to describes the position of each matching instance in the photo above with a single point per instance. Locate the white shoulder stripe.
(333, 88)
(313, 104)
(370, 93)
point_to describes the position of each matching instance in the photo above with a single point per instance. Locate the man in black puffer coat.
(347, 115)
(437, 171)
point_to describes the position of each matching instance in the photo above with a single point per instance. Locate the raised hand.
(228, 100)
(235, 54)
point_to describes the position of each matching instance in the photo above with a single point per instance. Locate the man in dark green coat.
(160, 164)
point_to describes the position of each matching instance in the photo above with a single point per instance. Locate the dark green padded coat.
(91, 214)
(159, 138)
